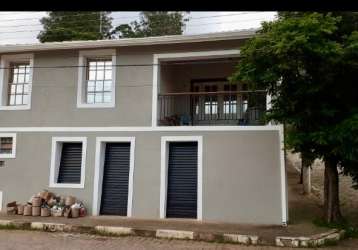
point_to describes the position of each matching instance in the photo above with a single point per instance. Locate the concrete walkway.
(303, 209)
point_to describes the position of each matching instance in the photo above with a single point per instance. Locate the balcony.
(212, 108)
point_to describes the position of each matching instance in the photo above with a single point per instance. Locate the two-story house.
(142, 127)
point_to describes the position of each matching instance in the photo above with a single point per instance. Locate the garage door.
(114, 198)
(182, 180)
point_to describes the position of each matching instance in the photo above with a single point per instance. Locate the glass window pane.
(99, 85)
(107, 86)
(26, 99)
(214, 108)
(21, 78)
(13, 89)
(100, 64)
(18, 99)
(99, 98)
(21, 69)
(27, 70)
(90, 86)
(27, 78)
(108, 74)
(100, 75)
(107, 97)
(108, 64)
(26, 88)
(14, 78)
(90, 98)
(92, 75)
(12, 100)
(16, 70)
(92, 65)
(19, 89)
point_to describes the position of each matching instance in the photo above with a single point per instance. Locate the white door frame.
(164, 171)
(98, 173)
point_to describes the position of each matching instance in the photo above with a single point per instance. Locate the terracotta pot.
(36, 201)
(28, 210)
(20, 209)
(36, 211)
(45, 212)
(70, 200)
(75, 212)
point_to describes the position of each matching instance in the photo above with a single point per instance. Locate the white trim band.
(141, 129)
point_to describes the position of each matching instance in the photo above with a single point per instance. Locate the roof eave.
(237, 35)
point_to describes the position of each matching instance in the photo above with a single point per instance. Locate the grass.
(351, 231)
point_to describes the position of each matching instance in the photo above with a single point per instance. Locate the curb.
(317, 240)
(329, 237)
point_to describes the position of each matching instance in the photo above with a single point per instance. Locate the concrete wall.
(241, 173)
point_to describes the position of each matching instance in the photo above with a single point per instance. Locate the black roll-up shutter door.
(182, 180)
(114, 199)
(70, 165)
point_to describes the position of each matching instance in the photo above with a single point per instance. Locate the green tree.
(75, 25)
(308, 63)
(153, 23)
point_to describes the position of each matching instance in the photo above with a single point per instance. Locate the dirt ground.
(348, 195)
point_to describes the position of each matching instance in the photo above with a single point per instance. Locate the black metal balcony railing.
(212, 108)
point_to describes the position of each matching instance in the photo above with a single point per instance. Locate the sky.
(23, 27)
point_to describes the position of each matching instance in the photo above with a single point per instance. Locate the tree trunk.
(306, 174)
(332, 212)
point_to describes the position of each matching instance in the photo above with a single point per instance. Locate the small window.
(7, 145)
(68, 162)
(96, 81)
(99, 81)
(19, 84)
(16, 81)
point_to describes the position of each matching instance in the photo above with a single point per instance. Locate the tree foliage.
(308, 62)
(75, 25)
(153, 23)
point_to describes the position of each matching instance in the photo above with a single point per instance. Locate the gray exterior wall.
(241, 173)
(54, 90)
(241, 169)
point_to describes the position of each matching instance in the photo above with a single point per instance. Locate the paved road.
(18, 240)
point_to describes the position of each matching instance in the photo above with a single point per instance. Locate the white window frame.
(165, 140)
(56, 160)
(81, 84)
(5, 76)
(98, 174)
(13, 152)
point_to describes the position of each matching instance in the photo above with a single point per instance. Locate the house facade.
(145, 128)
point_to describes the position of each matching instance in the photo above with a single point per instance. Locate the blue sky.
(23, 27)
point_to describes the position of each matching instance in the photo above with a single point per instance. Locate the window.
(99, 81)
(230, 101)
(68, 162)
(211, 100)
(7, 145)
(96, 79)
(19, 84)
(16, 81)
